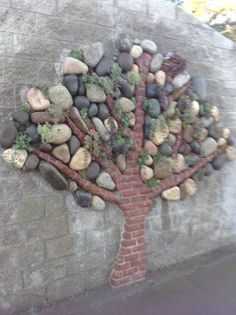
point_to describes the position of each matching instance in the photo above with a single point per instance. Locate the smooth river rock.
(190, 187)
(181, 79)
(149, 46)
(83, 198)
(80, 160)
(136, 51)
(74, 66)
(156, 63)
(95, 93)
(60, 133)
(104, 180)
(126, 105)
(62, 153)
(146, 172)
(208, 146)
(171, 194)
(31, 163)
(98, 203)
(199, 87)
(125, 61)
(70, 81)
(60, 96)
(101, 129)
(93, 171)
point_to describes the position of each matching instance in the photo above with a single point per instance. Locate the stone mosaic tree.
(124, 129)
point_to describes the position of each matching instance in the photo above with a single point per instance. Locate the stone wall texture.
(49, 247)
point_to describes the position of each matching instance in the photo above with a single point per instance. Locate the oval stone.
(98, 203)
(60, 133)
(15, 157)
(70, 81)
(8, 133)
(95, 93)
(62, 153)
(53, 176)
(93, 171)
(99, 126)
(104, 66)
(80, 160)
(74, 66)
(126, 105)
(37, 100)
(104, 180)
(171, 194)
(136, 51)
(125, 61)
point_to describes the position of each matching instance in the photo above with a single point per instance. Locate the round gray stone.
(74, 144)
(32, 133)
(199, 87)
(127, 89)
(103, 111)
(156, 63)
(31, 163)
(219, 161)
(71, 82)
(125, 61)
(154, 109)
(93, 110)
(83, 198)
(104, 66)
(81, 102)
(93, 171)
(21, 117)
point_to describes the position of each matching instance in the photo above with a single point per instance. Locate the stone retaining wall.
(50, 248)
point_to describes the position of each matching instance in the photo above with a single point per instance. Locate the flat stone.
(53, 176)
(95, 93)
(93, 110)
(78, 120)
(219, 161)
(136, 51)
(154, 109)
(70, 81)
(104, 180)
(93, 171)
(121, 162)
(104, 66)
(160, 77)
(146, 172)
(125, 61)
(156, 63)
(8, 133)
(60, 133)
(32, 132)
(103, 111)
(43, 117)
(99, 126)
(181, 79)
(150, 147)
(149, 46)
(127, 89)
(74, 144)
(60, 96)
(83, 198)
(37, 100)
(98, 203)
(80, 160)
(21, 117)
(230, 153)
(199, 87)
(126, 105)
(162, 169)
(31, 163)
(171, 194)
(15, 157)
(208, 146)
(93, 54)
(175, 125)
(179, 164)
(62, 153)
(81, 102)
(74, 66)
(190, 187)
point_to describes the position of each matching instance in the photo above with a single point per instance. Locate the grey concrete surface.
(203, 287)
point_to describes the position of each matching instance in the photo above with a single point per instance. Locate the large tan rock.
(60, 96)
(95, 93)
(37, 100)
(74, 66)
(121, 162)
(162, 169)
(172, 194)
(98, 203)
(15, 157)
(80, 160)
(126, 105)
(160, 77)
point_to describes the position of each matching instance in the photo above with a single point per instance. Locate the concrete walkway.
(207, 290)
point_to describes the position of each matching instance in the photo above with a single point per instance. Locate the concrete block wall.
(49, 247)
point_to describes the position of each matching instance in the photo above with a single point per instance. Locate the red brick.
(119, 282)
(130, 271)
(121, 266)
(128, 243)
(141, 240)
(137, 233)
(127, 236)
(139, 248)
